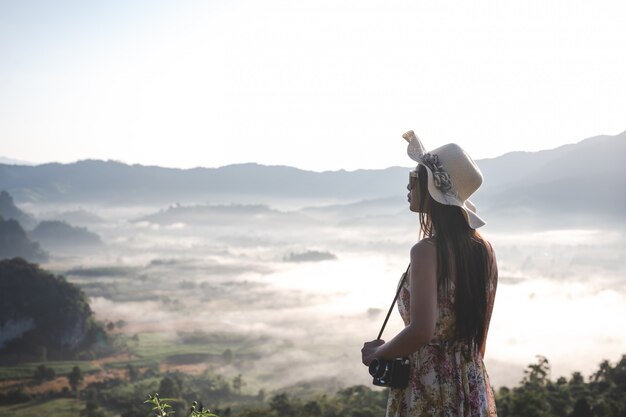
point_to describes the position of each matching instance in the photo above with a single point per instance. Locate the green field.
(62, 407)
(158, 347)
(151, 349)
(27, 370)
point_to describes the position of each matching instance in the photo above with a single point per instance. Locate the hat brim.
(473, 219)
(469, 209)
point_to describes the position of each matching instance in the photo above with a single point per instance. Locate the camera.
(392, 373)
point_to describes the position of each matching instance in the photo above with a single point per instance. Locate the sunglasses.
(413, 179)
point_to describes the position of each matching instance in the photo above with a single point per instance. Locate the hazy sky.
(313, 84)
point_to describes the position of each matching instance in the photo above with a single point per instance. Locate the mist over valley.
(291, 271)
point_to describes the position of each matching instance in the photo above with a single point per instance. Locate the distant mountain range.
(9, 210)
(93, 181)
(59, 236)
(14, 242)
(579, 183)
(9, 161)
(54, 235)
(583, 179)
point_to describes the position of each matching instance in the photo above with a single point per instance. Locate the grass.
(129, 389)
(27, 370)
(139, 363)
(61, 407)
(159, 347)
(150, 350)
(147, 350)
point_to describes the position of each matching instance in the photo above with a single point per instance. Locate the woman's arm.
(423, 308)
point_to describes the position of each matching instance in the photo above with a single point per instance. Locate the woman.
(447, 298)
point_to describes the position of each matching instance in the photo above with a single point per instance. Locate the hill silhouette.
(40, 312)
(61, 236)
(14, 242)
(9, 210)
(111, 183)
(225, 215)
(78, 217)
(573, 183)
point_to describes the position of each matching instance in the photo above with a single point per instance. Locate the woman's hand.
(368, 353)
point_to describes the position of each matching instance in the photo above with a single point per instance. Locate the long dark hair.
(461, 253)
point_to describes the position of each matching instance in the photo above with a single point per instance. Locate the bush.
(16, 396)
(43, 373)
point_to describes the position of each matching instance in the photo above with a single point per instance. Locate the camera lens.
(378, 368)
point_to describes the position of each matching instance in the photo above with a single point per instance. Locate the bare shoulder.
(423, 277)
(424, 251)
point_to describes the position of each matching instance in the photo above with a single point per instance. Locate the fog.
(222, 270)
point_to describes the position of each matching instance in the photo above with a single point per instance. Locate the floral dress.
(448, 378)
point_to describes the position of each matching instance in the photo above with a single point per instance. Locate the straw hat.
(453, 176)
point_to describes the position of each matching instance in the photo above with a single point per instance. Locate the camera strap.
(394, 301)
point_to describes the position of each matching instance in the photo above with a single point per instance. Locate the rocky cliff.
(43, 312)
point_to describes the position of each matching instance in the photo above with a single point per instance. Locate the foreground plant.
(162, 408)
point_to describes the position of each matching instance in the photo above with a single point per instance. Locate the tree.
(43, 373)
(14, 242)
(537, 374)
(531, 398)
(582, 409)
(604, 394)
(221, 387)
(577, 385)
(132, 372)
(92, 408)
(238, 383)
(75, 378)
(227, 355)
(64, 321)
(281, 405)
(170, 388)
(312, 409)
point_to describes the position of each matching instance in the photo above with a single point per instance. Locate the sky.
(319, 85)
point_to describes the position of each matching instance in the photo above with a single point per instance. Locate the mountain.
(216, 215)
(114, 183)
(10, 161)
(15, 242)
(364, 208)
(42, 315)
(573, 184)
(578, 183)
(9, 210)
(79, 217)
(59, 236)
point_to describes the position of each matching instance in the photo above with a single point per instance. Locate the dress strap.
(394, 301)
